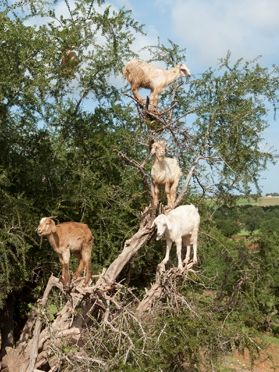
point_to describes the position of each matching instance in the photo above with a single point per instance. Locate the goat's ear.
(168, 224)
(53, 227)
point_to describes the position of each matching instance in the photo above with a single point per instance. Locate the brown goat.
(69, 62)
(69, 237)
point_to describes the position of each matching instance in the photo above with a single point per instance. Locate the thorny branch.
(139, 167)
(190, 175)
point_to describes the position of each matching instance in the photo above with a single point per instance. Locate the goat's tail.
(125, 71)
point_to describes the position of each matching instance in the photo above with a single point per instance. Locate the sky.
(207, 29)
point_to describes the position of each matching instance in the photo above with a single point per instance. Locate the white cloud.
(124, 3)
(60, 10)
(163, 5)
(209, 29)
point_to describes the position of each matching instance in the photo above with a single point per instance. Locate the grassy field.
(263, 201)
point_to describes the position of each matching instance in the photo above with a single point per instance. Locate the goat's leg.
(80, 268)
(168, 194)
(137, 96)
(64, 260)
(172, 195)
(167, 256)
(88, 273)
(194, 239)
(154, 98)
(186, 242)
(86, 256)
(155, 194)
(178, 243)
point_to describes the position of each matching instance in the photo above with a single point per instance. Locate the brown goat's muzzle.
(39, 231)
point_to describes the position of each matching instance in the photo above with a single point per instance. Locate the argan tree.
(76, 145)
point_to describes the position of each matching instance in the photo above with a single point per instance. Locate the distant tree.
(251, 217)
(270, 225)
(227, 220)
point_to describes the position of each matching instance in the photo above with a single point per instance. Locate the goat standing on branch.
(144, 75)
(165, 171)
(181, 225)
(69, 237)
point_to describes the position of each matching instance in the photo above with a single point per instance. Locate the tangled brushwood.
(104, 316)
(105, 327)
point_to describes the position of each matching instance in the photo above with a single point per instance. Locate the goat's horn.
(151, 143)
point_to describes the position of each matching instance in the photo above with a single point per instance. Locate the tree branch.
(140, 168)
(52, 282)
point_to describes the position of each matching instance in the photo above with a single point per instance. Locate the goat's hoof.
(67, 287)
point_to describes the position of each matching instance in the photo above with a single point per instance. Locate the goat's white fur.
(141, 74)
(165, 171)
(181, 226)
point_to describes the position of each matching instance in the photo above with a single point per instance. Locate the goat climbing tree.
(34, 347)
(93, 165)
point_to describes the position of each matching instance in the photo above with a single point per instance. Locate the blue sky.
(208, 29)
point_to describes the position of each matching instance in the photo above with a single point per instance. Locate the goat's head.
(183, 70)
(46, 226)
(159, 149)
(161, 224)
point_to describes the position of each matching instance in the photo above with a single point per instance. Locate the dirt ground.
(268, 360)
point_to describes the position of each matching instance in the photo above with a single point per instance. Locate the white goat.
(181, 225)
(165, 171)
(144, 75)
(69, 237)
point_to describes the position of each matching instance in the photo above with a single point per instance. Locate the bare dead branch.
(131, 247)
(190, 175)
(187, 181)
(52, 282)
(140, 168)
(160, 287)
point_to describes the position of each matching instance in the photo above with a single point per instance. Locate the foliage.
(224, 306)
(245, 279)
(231, 220)
(61, 140)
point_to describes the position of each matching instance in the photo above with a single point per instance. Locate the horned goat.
(181, 225)
(69, 237)
(165, 171)
(141, 74)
